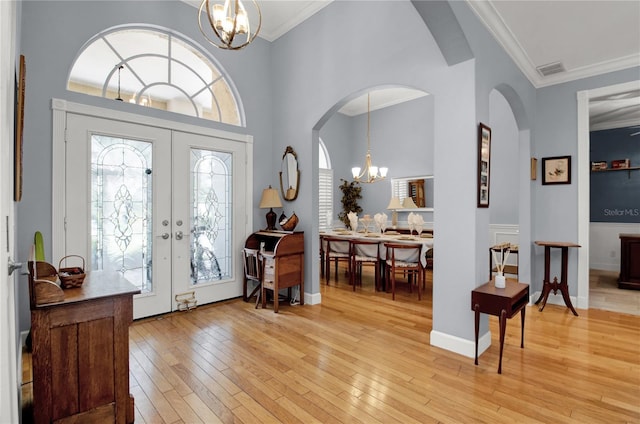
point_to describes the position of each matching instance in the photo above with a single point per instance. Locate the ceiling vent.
(551, 68)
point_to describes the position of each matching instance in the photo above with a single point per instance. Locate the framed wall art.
(534, 168)
(19, 125)
(556, 170)
(484, 165)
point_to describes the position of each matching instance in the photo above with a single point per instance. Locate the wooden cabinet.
(629, 261)
(283, 259)
(81, 353)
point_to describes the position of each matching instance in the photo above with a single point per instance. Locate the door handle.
(165, 236)
(180, 235)
(13, 266)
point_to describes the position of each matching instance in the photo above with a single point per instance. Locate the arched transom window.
(158, 69)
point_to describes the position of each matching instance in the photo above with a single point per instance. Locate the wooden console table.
(629, 262)
(554, 285)
(81, 353)
(503, 303)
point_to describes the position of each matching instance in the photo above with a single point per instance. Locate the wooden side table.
(554, 285)
(504, 303)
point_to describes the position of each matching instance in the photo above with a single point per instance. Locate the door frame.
(10, 347)
(582, 99)
(60, 110)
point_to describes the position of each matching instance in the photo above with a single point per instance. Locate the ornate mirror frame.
(289, 175)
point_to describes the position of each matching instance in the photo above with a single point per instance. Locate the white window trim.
(399, 190)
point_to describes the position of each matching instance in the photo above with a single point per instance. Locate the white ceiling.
(587, 37)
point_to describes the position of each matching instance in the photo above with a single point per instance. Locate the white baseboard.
(459, 345)
(23, 337)
(312, 298)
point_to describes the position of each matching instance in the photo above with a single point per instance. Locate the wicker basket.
(71, 277)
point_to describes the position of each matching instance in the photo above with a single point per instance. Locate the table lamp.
(407, 203)
(394, 204)
(270, 199)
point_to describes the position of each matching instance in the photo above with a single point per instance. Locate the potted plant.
(350, 195)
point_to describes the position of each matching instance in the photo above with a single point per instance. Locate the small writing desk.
(504, 303)
(554, 285)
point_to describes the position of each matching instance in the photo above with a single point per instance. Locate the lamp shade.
(407, 203)
(394, 203)
(270, 199)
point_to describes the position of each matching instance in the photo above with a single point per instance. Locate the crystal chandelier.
(229, 22)
(370, 173)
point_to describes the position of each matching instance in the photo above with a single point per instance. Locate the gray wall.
(292, 87)
(49, 55)
(318, 74)
(503, 200)
(556, 207)
(401, 139)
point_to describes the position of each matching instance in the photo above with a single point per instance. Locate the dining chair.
(364, 252)
(252, 272)
(321, 257)
(335, 250)
(404, 258)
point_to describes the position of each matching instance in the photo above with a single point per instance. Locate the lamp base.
(271, 220)
(394, 219)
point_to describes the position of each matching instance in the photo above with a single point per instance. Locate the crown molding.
(311, 8)
(493, 21)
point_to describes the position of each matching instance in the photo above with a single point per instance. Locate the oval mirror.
(289, 175)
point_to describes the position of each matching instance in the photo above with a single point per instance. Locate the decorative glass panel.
(211, 216)
(121, 203)
(155, 68)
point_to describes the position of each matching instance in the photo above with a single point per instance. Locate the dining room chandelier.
(229, 27)
(370, 173)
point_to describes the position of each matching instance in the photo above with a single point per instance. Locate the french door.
(163, 208)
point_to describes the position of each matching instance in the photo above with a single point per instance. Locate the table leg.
(522, 325)
(476, 308)
(564, 285)
(503, 327)
(546, 289)
(276, 296)
(547, 276)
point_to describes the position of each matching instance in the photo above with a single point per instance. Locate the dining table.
(425, 241)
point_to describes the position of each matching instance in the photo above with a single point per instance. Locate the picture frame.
(556, 170)
(484, 165)
(534, 169)
(18, 127)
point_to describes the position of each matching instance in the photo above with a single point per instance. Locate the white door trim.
(583, 98)
(10, 367)
(60, 109)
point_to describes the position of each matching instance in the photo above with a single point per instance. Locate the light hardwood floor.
(362, 358)
(605, 294)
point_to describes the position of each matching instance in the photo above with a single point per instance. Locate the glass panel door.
(121, 213)
(118, 204)
(208, 192)
(163, 208)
